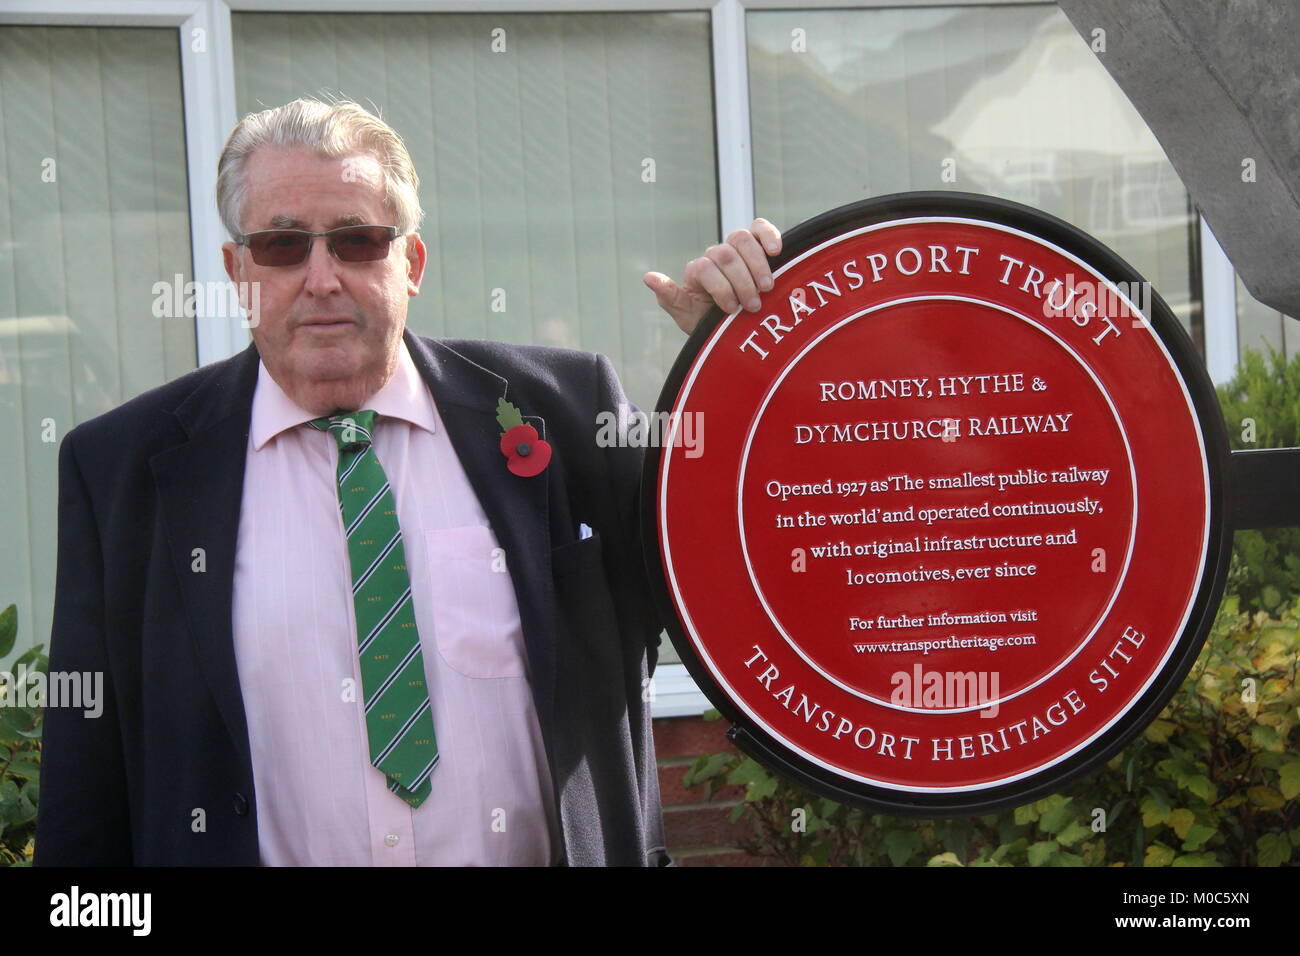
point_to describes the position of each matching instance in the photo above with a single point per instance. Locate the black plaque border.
(764, 748)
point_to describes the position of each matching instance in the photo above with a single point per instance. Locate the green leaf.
(827, 808)
(24, 767)
(1026, 814)
(1266, 797)
(8, 800)
(1073, 833)
(1154, 811)
(507, 415)
(18, 720)
(1065, 858)
(1266, 738)
(746, 772)
(761, 789)
(1158, 855)
(1041, 853)
(1160, 730)
(1007, 849)
(25, 811)
(944, 859)
(1197, 836)
(1289, 779)
(818, 855)
(1270, 597)
(902, 845)
(1199, 785)
(1181, 820)
(1274, 849)
(706, 767)
(1056, 816)
(8, 629)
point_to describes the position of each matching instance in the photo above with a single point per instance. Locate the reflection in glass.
(1004, 100)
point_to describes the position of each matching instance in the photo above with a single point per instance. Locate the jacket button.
(241, 805)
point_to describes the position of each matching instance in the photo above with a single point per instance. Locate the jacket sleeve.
(624, 465)
(82, 815)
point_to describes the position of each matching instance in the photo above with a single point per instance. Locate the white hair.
(333, 130)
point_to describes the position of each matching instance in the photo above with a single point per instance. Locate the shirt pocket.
(476, 617)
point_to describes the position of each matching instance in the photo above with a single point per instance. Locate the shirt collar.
(405, 396)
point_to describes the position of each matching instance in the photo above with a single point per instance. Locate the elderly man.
(359, 597)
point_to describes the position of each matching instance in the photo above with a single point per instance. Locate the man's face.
(328, 331)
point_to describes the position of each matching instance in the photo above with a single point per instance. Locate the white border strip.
(1219, 307)
(465, 6)
(100, 13)
(731, 116)
(208, 79)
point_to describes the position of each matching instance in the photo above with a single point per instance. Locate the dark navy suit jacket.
(144, 485)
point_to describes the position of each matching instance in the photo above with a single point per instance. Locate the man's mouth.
(324, 322)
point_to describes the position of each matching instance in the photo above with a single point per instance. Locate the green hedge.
(1212, 782)
(1261, 407)
(20, 754)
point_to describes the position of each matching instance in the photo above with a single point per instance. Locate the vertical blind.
(1006, 100)
(561, 157)
(94, 210)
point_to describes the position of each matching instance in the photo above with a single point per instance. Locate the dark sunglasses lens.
(279, 248)
(360, 243)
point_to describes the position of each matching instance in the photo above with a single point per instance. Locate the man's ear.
(416, 259)
(233, 262)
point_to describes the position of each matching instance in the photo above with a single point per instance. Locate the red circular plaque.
(949, 528)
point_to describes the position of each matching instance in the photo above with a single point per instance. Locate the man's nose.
(322, 269)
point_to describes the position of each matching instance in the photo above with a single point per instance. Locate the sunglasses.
(290, 247)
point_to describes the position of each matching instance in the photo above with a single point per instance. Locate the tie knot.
(350, 429)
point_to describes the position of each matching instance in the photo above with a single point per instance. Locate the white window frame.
(208, 78)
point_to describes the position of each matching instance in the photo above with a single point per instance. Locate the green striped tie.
(399, 723)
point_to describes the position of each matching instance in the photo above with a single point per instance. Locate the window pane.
(94, 210)
(561, 157)
(1009, 99)
(1260, 326)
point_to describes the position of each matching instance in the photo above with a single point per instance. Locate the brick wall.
(699, 831)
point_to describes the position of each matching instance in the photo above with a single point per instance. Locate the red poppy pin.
(526, 454)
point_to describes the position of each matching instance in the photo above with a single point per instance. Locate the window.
(96, 211)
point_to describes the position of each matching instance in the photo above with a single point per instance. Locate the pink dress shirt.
(319, 801)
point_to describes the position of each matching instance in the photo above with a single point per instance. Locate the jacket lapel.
(466, 395)
(200, 488)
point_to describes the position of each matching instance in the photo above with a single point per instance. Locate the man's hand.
(731, 274)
